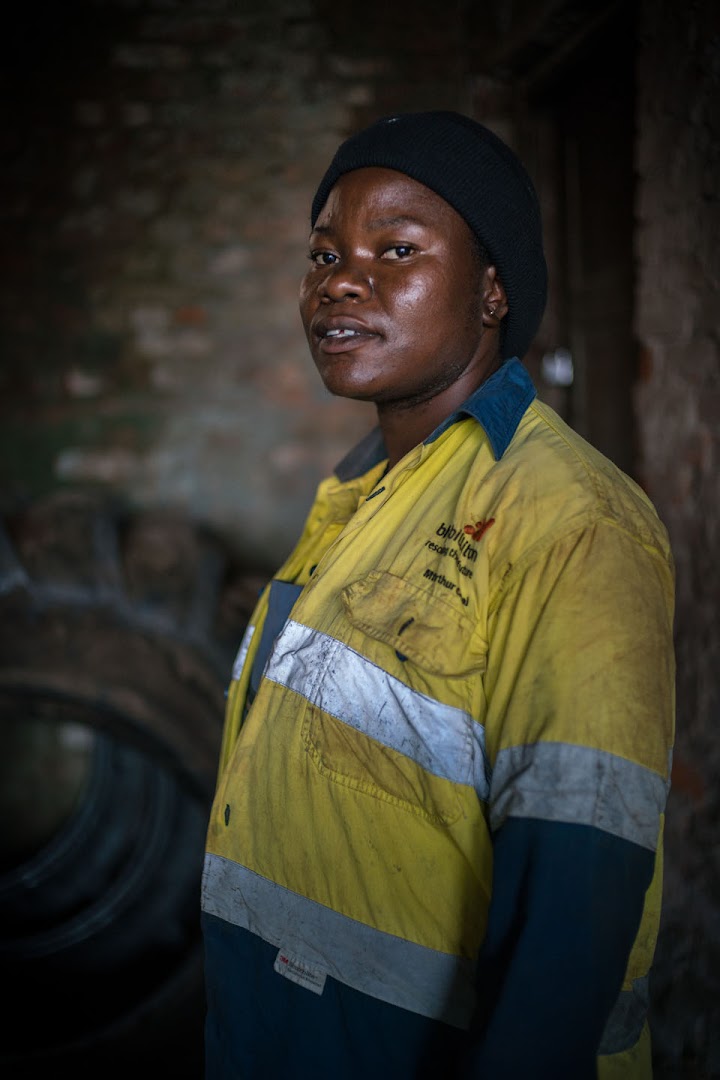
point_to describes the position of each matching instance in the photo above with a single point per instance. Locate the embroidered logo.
(478, 530)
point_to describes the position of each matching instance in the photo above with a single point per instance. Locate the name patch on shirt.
(300, 972)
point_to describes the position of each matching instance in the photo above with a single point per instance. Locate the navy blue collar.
(497, 405)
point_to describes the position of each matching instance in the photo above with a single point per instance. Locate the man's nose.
(349, 279)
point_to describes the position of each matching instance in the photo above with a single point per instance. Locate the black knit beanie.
(482, 179)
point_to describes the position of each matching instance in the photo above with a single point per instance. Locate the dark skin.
(397, 308)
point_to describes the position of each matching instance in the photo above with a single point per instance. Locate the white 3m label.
(300, 972)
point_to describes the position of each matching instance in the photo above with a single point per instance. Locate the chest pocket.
(386, 730)
(437, 636)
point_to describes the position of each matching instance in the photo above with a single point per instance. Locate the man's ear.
(495, 303)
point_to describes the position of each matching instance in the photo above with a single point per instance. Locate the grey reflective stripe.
(443, 740)
(381, 965)
(625, 1023)
(560, 782)
(242, 652)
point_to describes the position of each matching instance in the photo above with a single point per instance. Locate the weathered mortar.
(678, 410)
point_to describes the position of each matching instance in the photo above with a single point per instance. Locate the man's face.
(393, 301)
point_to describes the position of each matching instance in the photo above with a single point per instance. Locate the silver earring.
(492, 311)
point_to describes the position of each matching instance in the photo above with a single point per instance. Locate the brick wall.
(678, 410)
(161, 160)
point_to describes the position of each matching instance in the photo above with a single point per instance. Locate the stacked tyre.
(117, 631)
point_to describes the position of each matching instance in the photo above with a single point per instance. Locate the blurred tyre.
(117, 632)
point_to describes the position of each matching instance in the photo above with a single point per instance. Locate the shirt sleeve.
(566, 906)
(580, 722)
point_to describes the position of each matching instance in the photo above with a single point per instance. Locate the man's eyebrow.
(377, 223)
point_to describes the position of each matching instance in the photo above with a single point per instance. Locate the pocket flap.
(422, 627)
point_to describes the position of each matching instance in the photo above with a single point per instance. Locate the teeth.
(340, 333)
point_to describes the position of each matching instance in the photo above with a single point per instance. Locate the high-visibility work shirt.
(435, 841)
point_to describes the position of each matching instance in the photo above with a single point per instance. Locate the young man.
(434, 844)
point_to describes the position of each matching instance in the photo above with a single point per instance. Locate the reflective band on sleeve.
(626, 1021)
(381, 965)
(242, 652)
(441, 739)
(560, 782)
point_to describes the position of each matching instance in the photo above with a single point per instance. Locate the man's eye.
(399, 251)
(322, 258)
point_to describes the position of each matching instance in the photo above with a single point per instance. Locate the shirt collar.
(497, 405)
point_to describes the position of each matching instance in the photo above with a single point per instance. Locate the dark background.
(162, 431)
